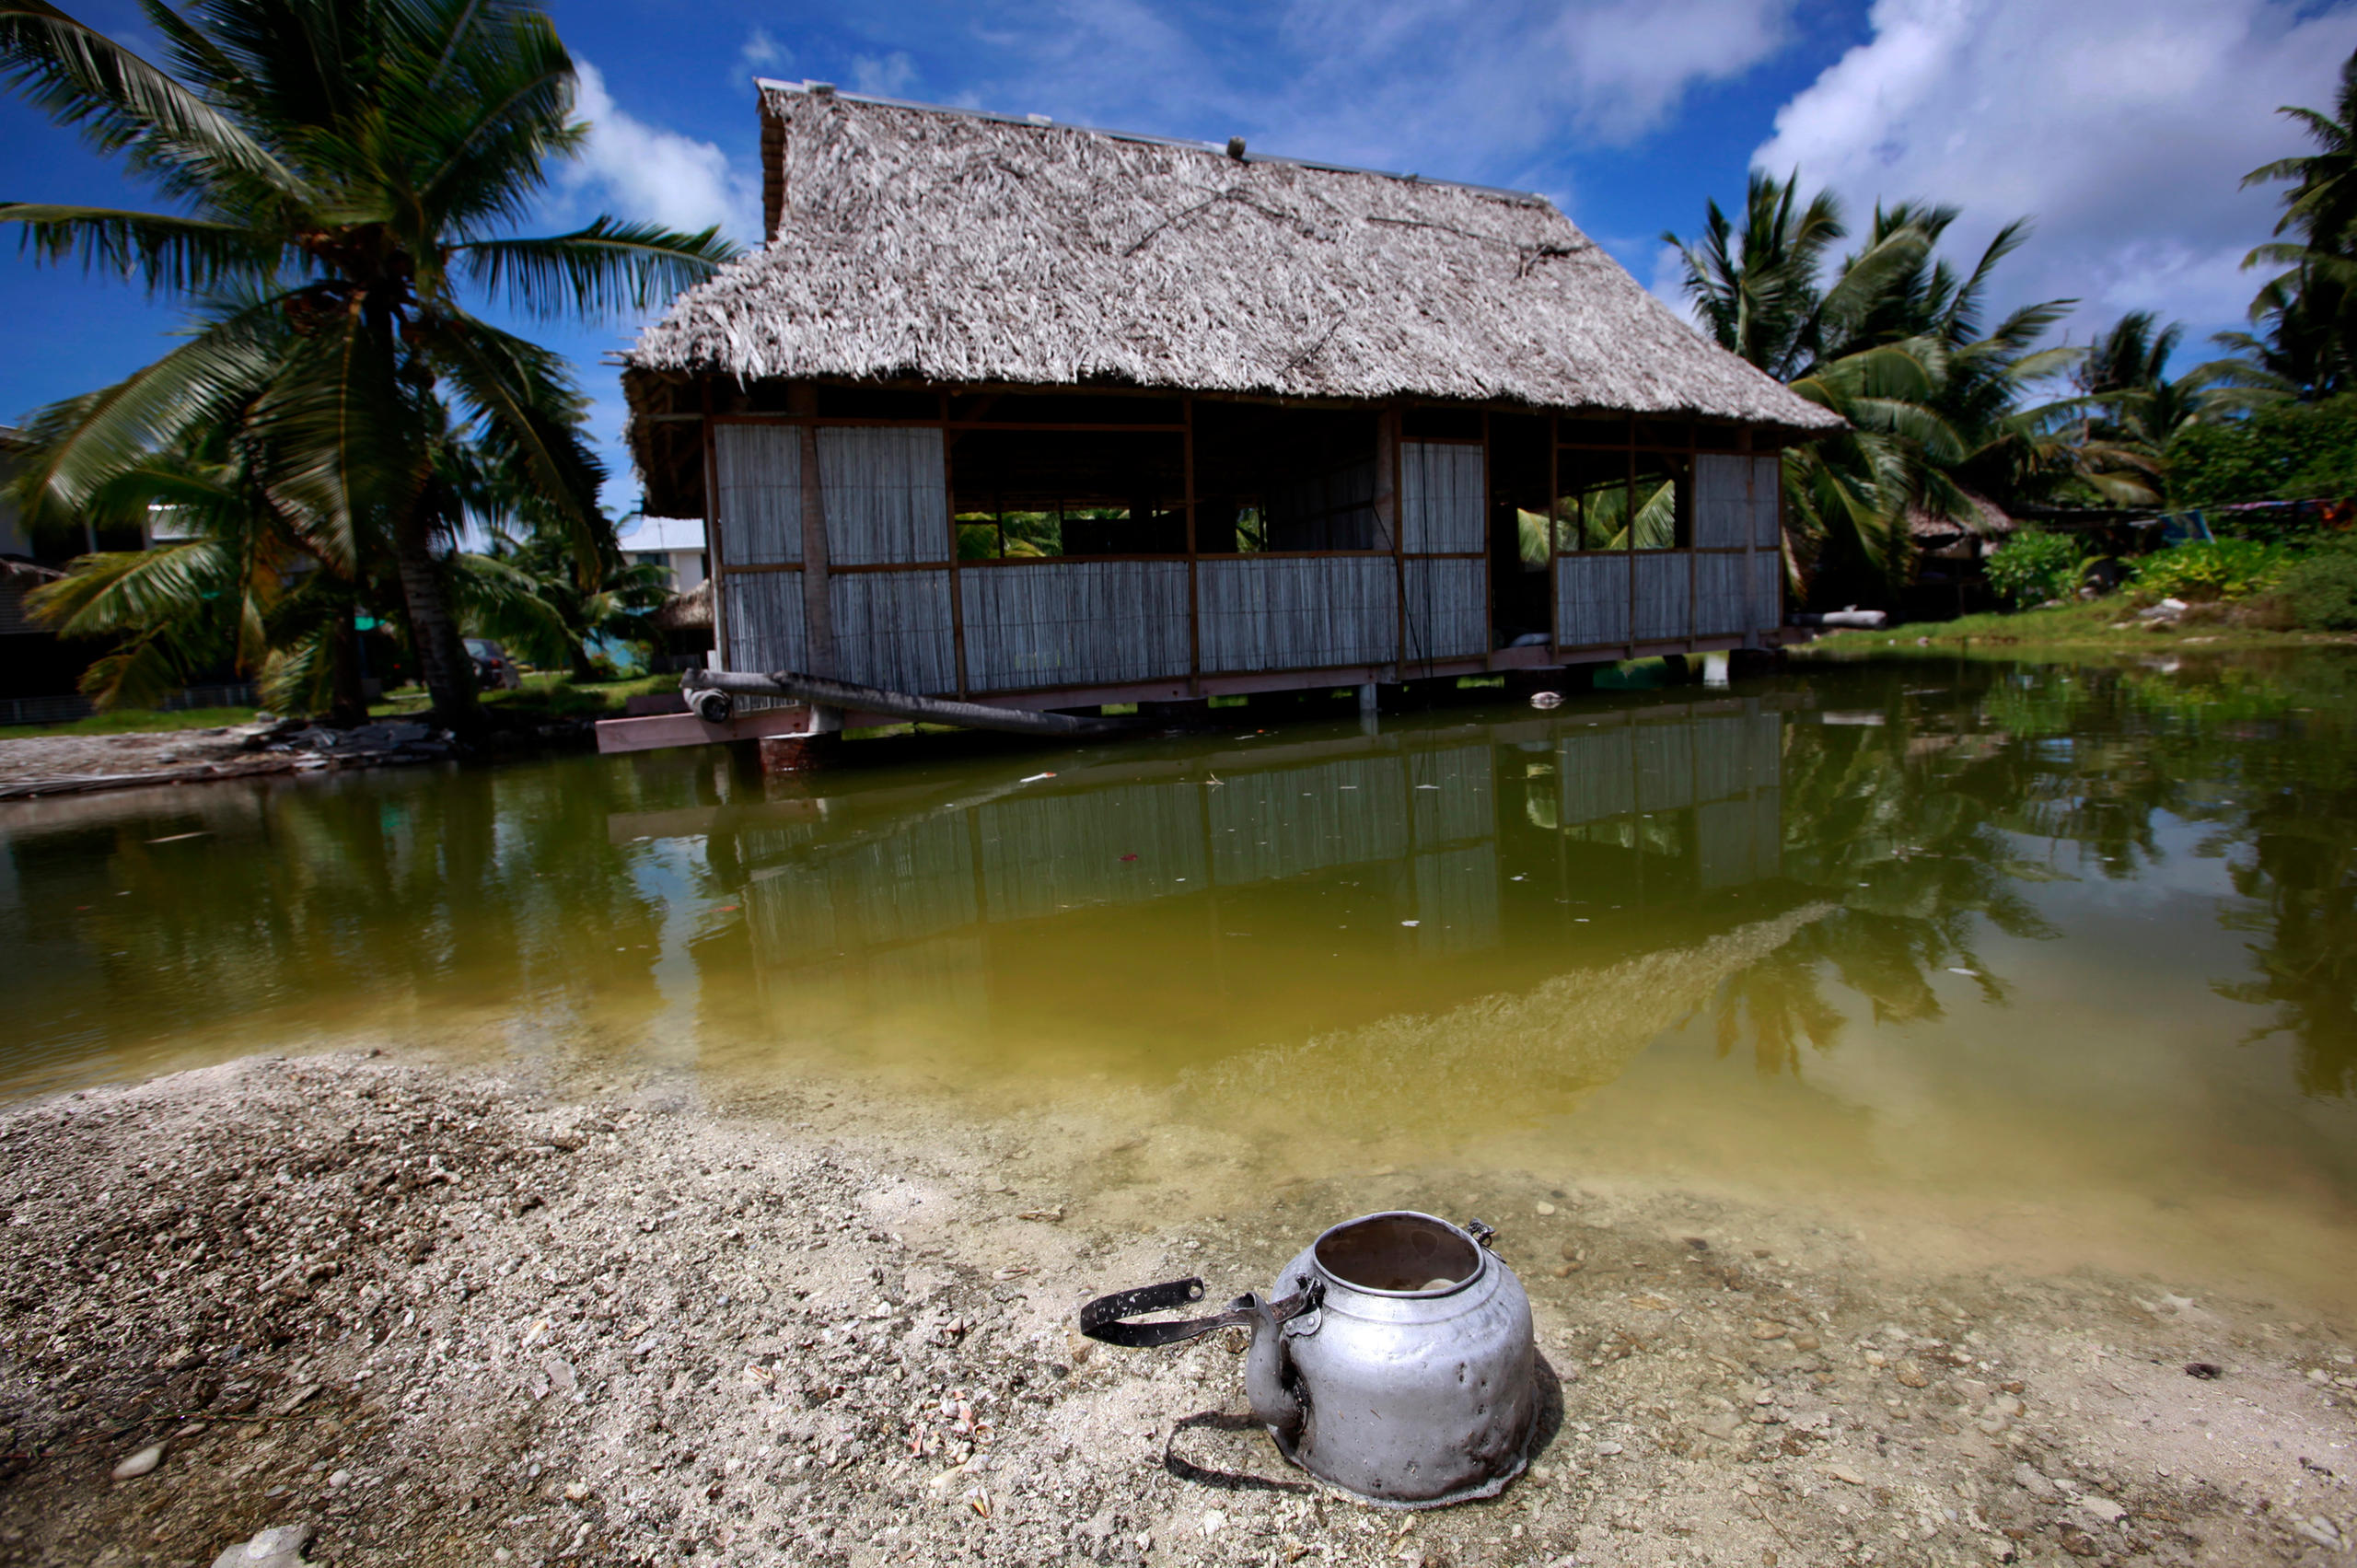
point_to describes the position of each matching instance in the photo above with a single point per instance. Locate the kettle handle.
(1102, 1319)
(1485, 1237)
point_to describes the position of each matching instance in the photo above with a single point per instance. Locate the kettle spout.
(1274, 1404)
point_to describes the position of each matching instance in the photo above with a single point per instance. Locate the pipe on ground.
(823, 692)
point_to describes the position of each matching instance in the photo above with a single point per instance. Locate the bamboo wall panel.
(1722, 596)
(893, 630)
(1457, 900)
(760, 469)
(1665, 766)
(1767, 490)
(1441, 508)
(1663, 590)
(1074, 624)
(1590, 599)
(1047, 855)
(1297, 613)
(1597, 774)
(1351, 811)
(1450, 795)
(1448, 609)
(763, 614)
(1723, 501)
(887, 492)
(1766, 599)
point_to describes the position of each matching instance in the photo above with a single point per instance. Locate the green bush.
(2210, 569)
(2032, 567)
(2321, 588)
(2283, 452)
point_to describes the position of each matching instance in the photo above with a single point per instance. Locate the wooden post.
(1194, 604)
(711, 529)
(818, 615)
(1387, 509)
(818, 610)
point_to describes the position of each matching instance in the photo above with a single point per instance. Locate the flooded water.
(2043, 965)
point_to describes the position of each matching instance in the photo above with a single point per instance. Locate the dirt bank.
(448, 1317)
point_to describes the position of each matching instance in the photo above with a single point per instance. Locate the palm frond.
(124, 105)
(609, 266)
(165, 253)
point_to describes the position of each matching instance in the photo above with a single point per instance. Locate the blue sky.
(2123, 126)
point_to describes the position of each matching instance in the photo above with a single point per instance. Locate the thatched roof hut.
(1050, 417)
(962, 247)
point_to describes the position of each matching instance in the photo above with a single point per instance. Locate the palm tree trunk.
(347, 704)
(442, 662)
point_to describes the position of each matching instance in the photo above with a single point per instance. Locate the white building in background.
(673, 542)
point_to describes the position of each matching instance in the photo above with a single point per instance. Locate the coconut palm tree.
(337, 170)
(2306, 313)
(526, 593)
(1892, 339)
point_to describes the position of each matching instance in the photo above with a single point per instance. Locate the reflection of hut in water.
(1403, 829)
(1539, 1050)
(1049, 417)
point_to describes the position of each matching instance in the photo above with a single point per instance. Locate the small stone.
(1846, 1477)
(1912, 1375)
(281, 1547)
(1649, 1303)
(139, 1464)
(1765, 1330)
(340, 1480)
(1805, 1341)
(1213, 1522)
(2029, 1481)
(576, 1491)
(2104, 1508)
(1543, 1210)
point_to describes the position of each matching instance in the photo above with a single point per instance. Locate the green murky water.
(2045, 964)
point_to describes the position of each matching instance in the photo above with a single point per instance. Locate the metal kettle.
(1396, 1363)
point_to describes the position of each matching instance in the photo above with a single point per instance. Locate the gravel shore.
(431, 1315)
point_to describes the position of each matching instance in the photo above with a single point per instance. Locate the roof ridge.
(1148, 138)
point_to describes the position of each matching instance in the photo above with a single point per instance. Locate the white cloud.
(2123, 127)
(763, 53)
(637, 170)
(1440, 86)
(890, 75)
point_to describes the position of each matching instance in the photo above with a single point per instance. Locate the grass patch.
(544, 695)
(133, 721)
(2098, 623)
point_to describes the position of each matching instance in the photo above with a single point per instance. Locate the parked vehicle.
(494, 671)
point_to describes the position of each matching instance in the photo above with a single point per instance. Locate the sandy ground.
(25, 760)
(440, 1316)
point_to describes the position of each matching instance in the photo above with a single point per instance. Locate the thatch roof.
(690, 612)
(1988, 521)
(21, 573)
(913, 242)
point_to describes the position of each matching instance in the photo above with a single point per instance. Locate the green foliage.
(1899, 342)
(334, 169)
(2321, 588)
(2032, 567)
(2211, 569)
(2286, 451)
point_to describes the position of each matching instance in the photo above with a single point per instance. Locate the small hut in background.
(1046, 417)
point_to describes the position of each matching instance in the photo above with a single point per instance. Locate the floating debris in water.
(1035, 778)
